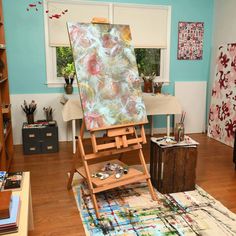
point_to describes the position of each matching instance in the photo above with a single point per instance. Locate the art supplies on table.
(2, 178)
(171, 142)
(13, 181)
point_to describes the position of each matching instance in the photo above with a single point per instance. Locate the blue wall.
(26, 54)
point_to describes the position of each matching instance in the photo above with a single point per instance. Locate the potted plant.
(68, 73)
(148, 82)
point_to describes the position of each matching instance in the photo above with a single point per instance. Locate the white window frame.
(51, 63)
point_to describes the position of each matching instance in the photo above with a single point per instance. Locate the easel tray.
(133, 175)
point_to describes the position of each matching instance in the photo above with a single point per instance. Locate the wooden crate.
(173, 169)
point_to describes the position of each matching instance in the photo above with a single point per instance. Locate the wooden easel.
(123, 138)
(120, 140)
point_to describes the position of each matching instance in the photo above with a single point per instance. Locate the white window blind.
(77, 12)
(148, 24)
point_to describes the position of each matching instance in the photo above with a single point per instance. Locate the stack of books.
(9, 204)
(10, 224)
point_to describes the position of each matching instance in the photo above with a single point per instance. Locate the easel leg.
(72, 172)
(95, 204)
(142, 160)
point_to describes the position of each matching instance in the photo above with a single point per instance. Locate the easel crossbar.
(111, 152)
(116, 184)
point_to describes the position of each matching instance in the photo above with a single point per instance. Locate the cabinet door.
(49, 133)
(32, 147)
(31, 134)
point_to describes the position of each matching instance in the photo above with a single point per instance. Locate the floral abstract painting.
(107, 72)
(222, 114)
(190, 43)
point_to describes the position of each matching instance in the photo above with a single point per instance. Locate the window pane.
(64, 57)
(148, 60)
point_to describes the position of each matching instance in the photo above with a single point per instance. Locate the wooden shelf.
(6, 109)
(132, 176)
(6, 137)
(2, 46)
(3, 80)
(8, 131)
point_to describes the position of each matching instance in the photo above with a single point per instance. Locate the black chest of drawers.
(39, 139)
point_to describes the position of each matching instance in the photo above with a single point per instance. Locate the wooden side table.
(173, 169)
(26, 220)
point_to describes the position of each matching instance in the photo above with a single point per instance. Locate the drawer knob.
(48, 134)
(31, 135)
(32, 149)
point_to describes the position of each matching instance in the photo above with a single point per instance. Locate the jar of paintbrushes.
(48, 113)
(179, 129)
(29, 110)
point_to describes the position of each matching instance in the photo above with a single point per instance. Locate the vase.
(68, 88)
(30, 118)
(48, 117)
(179, 132)
(147, 86)
(157, 88)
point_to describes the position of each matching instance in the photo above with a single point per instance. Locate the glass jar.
(179, 132)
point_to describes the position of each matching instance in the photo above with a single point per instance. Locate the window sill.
(58, 84)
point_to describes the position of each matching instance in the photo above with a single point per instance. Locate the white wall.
(224, 31)
(192, 97)
(42, 100)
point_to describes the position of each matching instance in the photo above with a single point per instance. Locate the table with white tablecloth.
(156, 104)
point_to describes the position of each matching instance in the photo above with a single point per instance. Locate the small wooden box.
(173, 169)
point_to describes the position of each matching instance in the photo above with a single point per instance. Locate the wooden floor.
(55, 211)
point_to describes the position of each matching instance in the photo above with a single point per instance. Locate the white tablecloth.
(159, 104)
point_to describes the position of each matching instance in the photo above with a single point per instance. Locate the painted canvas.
(190, 42)
(222, 113)
(107, 72)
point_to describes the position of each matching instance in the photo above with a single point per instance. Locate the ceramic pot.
(30, 118)
(147, 86)
(68, 88)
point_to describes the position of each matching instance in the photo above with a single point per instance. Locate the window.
(63, 57)
(148, 60)
(152, 43)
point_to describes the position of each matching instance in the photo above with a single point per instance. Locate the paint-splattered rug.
(130, 211)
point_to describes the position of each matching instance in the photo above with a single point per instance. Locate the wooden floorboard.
(55, 211)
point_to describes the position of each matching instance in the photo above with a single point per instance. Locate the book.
(5, 201)
(2, 178)
(13, 180)
(11, 224)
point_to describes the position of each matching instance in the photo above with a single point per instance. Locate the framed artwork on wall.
(190, 40)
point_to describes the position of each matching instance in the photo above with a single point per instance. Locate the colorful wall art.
(222, 114)
(190, 40)
(108, 77)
